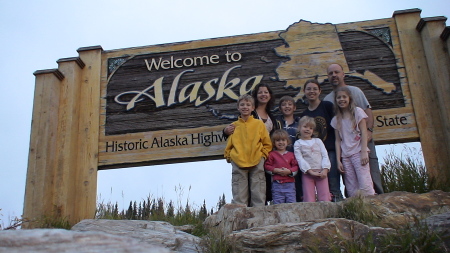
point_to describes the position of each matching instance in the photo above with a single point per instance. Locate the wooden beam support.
(88, 134)
(439, 68)
(423, 92)
(40, 180)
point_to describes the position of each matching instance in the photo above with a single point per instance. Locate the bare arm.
(364, 154)
(338, 151)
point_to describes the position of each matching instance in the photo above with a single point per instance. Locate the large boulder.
(310, 236)
(232, 217)
(60, 240)
(157, 233)
(394, 210)
(397, 209)
(440, 224)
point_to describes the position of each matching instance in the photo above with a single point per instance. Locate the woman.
(264, 101)
(322, 112)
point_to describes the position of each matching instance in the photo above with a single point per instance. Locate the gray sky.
(35, 34)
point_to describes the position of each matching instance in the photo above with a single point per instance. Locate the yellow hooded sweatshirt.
(249, 143)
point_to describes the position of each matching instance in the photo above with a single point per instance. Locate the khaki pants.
(249, 183)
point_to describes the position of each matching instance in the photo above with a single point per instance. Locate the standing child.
(314, 163)
(289, 122)
(351, 143)
(282, 165)
(246, 149)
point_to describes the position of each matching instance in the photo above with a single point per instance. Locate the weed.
(215, 241)
(53, 222)
(358, 209)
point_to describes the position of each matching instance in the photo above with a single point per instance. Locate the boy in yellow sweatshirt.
(247, 148)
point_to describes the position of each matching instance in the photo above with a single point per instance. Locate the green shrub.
(405, 172)
(214, 241)
(358, 209)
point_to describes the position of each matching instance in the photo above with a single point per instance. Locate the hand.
(277, 171)
(229, 130)
(312, 173)
(285, 172)
(364, 158)
(323, 173)
(341, 167)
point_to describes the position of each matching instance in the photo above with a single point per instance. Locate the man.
(336, 77)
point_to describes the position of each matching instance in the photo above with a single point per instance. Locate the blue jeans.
(283, 193)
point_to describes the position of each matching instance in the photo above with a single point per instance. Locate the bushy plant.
(358, 209)
(215, 241)
(414, 238)
(405, 172)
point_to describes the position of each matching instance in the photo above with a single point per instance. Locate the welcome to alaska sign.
(169, 103)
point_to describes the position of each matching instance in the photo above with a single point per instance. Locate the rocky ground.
(277, 228)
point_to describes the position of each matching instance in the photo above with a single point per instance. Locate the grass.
(407, 172)
(357, 209)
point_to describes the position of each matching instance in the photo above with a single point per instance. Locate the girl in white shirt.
(313, 160)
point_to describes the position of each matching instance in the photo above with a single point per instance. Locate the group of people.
(290, 159)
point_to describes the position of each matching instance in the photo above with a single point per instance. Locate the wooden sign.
(169, 103)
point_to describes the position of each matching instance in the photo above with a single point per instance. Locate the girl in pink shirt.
(351, 144)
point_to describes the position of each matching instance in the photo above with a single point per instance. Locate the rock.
(398, 209)
(440, 224)
(394, 209)
(157, 233)
(60, 240)
(299, 237)
(233, 217)
(277, 228)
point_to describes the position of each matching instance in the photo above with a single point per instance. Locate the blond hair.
(280, 134)
(339, 112)
(246, 97)
(308, 121)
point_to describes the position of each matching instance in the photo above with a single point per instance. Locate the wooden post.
(67, 140)
(63, 160)
(423, 92)
(40, 182)
(439, 67)
(444, 36)
(88, 134)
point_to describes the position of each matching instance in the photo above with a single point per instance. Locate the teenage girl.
(349, 123)
(312, 158)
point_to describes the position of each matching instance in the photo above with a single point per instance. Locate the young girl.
(314, 163)
(351, 143)
(281, 164)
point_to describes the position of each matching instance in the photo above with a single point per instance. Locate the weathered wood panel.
(88, 132)
(41, 160)
(145, 96)
(67, 139)
(423, 93)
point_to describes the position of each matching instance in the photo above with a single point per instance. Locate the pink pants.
(312, 183)
(357, 177)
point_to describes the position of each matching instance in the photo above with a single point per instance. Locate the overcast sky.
(35, 34)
